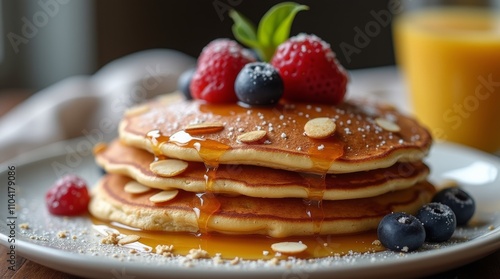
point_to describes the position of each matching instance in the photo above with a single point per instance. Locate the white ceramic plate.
(81, 253)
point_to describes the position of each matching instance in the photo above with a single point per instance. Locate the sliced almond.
(168, 167)
(99, 147)
(129, 239)
(320, 128)
(253, 136)
(134, 187)
(387, 125)
(447, 183)
(289, 247)
(164, 196)
(204, 128)
(133, 111)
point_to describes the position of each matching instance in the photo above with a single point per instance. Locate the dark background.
(189, 25)
(85, 35)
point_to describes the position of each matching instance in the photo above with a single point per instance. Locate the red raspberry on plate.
(68, 196)
(218, 65)
(309, 70)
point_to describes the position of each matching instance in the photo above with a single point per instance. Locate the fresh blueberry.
(258, 83)
(184, 81)
(401, 232)
(439, 221)
(459, 201)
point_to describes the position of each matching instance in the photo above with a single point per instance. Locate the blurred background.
(45, 41)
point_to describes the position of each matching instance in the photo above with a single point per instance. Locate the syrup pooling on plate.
(248, 247)
(206, 203)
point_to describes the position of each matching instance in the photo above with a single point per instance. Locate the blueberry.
(258, 83)
(184, 81)
(439, 221)
(401, 232)
(459, 201)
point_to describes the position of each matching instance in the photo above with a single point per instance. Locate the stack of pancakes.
(189, 166)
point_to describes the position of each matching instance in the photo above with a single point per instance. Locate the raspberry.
(68, 196)
(310, 71)
(218, 65)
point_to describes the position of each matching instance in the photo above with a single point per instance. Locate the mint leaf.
(244, 30)
(274, 27)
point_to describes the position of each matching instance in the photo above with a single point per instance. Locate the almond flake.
(204, 128)
(168, 167)
(134, 187)
(447, 183)
(319, 128)
(253, 136)
(99, 147)
(137, 110)
(129, 239)
(387, 125)
(289, 247)
(164, 196)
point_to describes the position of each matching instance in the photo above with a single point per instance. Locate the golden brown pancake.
(359, 143)
(248, 215)
(258, 181)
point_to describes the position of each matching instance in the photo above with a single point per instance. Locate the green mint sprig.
(274, 28)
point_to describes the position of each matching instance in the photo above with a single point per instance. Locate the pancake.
(247, 215)
(249, 180)
(367, 136)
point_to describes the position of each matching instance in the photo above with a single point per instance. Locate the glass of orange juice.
(449, 53)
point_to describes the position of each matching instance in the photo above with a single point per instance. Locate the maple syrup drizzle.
(205, 204)
(322, 156)
(156, 139)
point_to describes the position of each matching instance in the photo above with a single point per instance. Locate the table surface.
(487, 267)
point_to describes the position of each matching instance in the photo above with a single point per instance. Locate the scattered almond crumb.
(405, 249)
(132, 251)
(165, 250)
(74, 237)
(62, 234)
(111, 238)
(235, 261)
(265, 252)
(197, 254)
(376, 242)
(491, 227)
(217, 259)
(274, 261)
(24, 226)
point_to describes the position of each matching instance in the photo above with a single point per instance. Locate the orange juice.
(451, 59)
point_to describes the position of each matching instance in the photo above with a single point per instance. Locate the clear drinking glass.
(449, 53)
